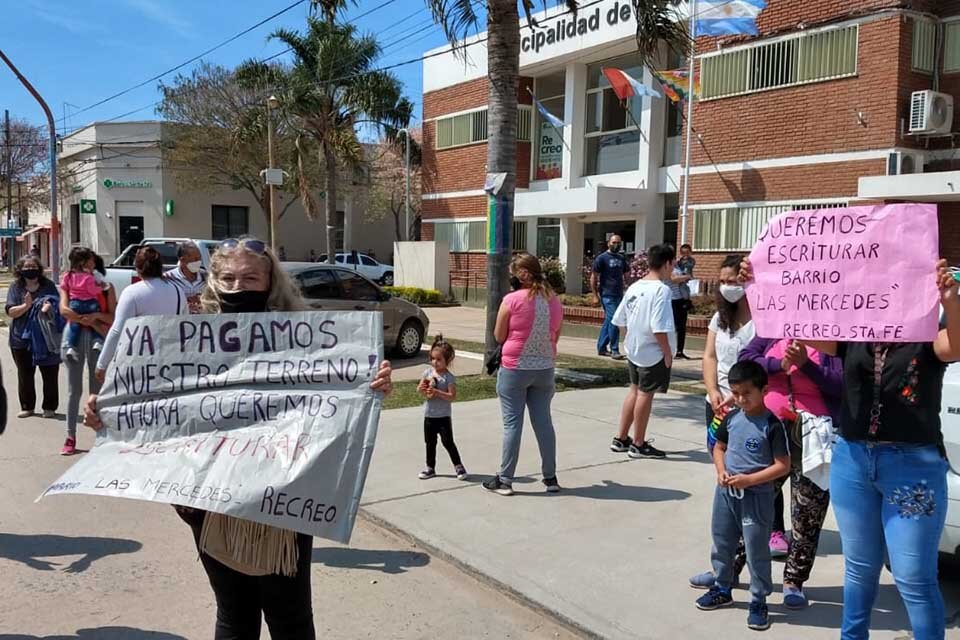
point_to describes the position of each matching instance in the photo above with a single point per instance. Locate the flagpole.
(686, 165)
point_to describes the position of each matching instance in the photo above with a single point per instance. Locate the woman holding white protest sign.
(888, 472)
(256, 571)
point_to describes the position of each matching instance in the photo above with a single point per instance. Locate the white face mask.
(195, 266)
(732, 293)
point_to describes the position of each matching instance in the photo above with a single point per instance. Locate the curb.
(475, 573)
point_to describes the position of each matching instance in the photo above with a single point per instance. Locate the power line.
(191, 60)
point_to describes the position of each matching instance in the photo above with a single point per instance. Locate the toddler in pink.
(83, 287)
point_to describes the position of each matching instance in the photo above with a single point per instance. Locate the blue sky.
(81, 51)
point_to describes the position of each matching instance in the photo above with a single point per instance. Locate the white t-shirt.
(645, 310)
(728, 350)
(152, 297)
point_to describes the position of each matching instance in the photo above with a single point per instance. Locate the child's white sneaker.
(97, 346)
(427, 473)
(72, 354)
(461, 472)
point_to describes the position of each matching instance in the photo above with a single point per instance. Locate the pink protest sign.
(858, 274)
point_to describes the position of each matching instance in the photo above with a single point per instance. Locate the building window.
(75, 223)
(798, 59)
(519, 240)
(462, 237)
(550, 92)
(671, 217)
(339, 225)
(229, 222)
(924, 45)
(951, 47)
(548, 237)
(470, 128)
(612, 132)
(737, 228)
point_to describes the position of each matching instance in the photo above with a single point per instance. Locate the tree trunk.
(330, 200)
(503, 62)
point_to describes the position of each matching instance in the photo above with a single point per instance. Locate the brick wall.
(815, 118)
(470, 206)
(470, 268)
(830, 180)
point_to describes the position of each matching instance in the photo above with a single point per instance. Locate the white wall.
(422, 264)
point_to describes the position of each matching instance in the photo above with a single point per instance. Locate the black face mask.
(30, 274)
(515, 283)
(244, 301)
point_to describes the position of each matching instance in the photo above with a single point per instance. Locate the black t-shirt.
(910, 390)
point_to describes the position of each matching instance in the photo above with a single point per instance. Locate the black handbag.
(492, 362)
(3, 406)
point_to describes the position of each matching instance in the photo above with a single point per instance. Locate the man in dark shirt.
(606, 282)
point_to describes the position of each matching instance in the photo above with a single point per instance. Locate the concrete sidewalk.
(467, 323)
(611, 554)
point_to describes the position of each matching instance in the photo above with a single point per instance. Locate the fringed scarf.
(251, 548)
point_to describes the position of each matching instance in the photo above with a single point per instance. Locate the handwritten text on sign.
(266, 417)
(857, 274)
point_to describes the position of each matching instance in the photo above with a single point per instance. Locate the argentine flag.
(728, 17)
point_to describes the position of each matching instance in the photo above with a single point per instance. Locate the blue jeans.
(895, 493)
(521, 389)
(609, 332)
(83, 307)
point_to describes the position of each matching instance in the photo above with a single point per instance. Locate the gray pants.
(75, 378)
(519, 389)
(752, 518)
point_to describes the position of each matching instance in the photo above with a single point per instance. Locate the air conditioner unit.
(904, 162)
(931, 112)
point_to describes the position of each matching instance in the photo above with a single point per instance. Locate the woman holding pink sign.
(888, 474)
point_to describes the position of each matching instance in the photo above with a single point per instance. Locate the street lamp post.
(272, 103)
(54, 221)
(406, 199)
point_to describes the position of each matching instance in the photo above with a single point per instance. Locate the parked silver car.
(336, 288)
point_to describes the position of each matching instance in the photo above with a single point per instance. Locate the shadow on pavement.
(385, 561)
(29, 549)
(611, 490)
(102, 633)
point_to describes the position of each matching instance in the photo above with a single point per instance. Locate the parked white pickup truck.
(121, 273)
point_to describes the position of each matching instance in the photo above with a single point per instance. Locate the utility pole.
(272, 103)
(8, 163)
(406, 198)
(52, 130)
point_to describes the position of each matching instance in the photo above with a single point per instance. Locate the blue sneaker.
(703, 580)
(793, 598)
(758, 618)
(714, 599)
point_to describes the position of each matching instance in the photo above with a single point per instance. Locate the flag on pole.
(627, 87)
(556, 122)
(676, 84)
(728, 17)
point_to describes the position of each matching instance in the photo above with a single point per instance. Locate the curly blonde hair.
(284, 293)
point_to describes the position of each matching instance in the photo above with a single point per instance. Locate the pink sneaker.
(69, 447)
(779, 547)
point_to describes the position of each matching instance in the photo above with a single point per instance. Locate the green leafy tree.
(658, 23)
(332, 88)
(219, 137)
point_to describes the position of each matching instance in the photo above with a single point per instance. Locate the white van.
(950, 420)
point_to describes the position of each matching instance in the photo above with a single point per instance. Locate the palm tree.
(332, 88)
(657, 23)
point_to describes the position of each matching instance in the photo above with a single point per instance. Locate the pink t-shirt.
(533, 323)
(80, 285)
(806, 394)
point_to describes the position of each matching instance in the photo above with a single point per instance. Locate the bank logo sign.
(127, 184)
(88, 206)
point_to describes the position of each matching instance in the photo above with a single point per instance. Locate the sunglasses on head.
(251, 244)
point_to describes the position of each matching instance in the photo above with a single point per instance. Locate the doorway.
(130, 231)
(595, 236)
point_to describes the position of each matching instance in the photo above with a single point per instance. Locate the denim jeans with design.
(895, 492)
(609, 332)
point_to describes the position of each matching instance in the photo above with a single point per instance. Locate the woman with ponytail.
(528, 327)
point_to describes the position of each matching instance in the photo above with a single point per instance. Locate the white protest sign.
(266, 417)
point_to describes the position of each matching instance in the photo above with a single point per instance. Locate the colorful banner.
(857, 274)
(549, 153)
(266, 417)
